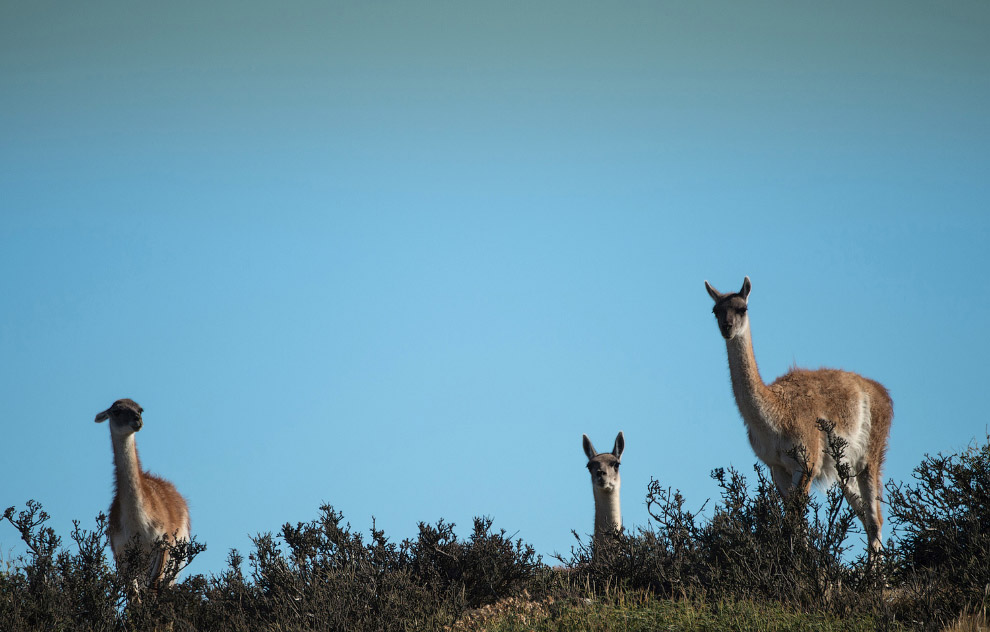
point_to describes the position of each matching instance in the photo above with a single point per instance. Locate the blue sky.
(398, 257)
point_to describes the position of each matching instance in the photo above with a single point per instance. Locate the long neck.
(128, 472)
(755, 401)
(608, 516)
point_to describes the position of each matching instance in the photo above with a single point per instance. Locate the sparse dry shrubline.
(144, 506)
(605, 482)
(782, 418)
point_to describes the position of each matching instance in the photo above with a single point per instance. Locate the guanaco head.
(730, 309)
(604, 467)
(124, 416)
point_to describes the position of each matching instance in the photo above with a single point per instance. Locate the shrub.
(944, 552)
(756, 546)
(486, 568)
(55, 588)
(317, 575)
(753, 548)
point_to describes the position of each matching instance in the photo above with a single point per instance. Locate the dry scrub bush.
(943, 554)
(752, 547)
(756, 546)
(318, 575)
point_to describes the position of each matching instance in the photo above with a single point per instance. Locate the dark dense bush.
(752, 546)
(756, 546)
(944, 551)
(318, 575)
(330, 579)
(58, 589)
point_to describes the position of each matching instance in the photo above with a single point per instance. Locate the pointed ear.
(747, 286)
(712, 292)
(588, 448)
(103, 416)
(620, 445)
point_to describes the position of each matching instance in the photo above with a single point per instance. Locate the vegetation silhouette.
(753, 552)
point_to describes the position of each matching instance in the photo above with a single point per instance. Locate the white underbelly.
(144, 529)
(776, 449)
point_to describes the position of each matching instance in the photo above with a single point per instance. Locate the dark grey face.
(730, 313)
(125, 414)
(604, 467)
(730, 309)
(604, 470)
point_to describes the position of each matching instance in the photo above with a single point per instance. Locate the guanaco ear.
(712, 292)
(620, 445)
(747, 286)
(103, 416)
(588, 448)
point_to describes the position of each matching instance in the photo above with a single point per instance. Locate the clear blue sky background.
(399, 256)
